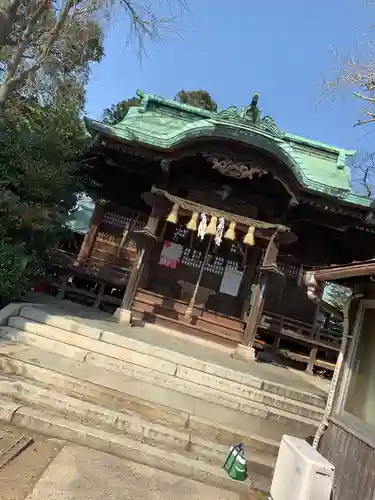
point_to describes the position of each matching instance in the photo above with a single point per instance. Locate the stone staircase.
(170, 405)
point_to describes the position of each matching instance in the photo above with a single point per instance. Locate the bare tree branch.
(356, 74)
(36, 31)
(363, 175)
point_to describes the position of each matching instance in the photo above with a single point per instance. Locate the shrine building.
(211, 220)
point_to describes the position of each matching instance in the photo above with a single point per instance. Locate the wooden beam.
(90, 236)
(259, 297)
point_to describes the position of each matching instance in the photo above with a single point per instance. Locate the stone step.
(187, 374)
(184, 380)
(152, 356)
(184, 441)
(51, 424)
(154, 404)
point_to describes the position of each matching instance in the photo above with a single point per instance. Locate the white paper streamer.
(202, 228)
(219, 232)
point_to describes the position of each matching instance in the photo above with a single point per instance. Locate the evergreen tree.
(199, 98)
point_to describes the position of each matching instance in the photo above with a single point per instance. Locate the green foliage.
(117, 112)
(39, 177)
(199, 98)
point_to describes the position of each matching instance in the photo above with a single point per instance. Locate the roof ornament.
(251, 115)
(234, 169)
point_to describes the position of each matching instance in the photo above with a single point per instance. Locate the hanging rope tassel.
(219, 232)
(202, 228)
(230, 233)
(249, 238)
(173, 216)
(211, 229)
(193, 222)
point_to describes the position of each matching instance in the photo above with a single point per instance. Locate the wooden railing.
(301, 334)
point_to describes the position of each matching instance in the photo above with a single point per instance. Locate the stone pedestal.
(244, 352)
(123, 315)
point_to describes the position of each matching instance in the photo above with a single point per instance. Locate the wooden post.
(312, 360)
(90, 236)
(63, 288)
(123, 313)
(315, 331)
(133, 279)
(189, 310)
(246, 350)
(251, 264)
(255, 311)
(99, 295)
(272, 251)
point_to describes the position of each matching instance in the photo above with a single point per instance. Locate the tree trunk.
(10, 76)
(7, 18)
(5, 91)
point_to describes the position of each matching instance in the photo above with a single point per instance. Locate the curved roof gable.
(165, 124)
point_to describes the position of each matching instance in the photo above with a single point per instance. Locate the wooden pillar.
(133, 280)
(99, 295)
(145, 238)
(251, 265)
(315, 331)
(246, 349)
(312, 359)
(189, 310)
(255, 311)
(90, 236)
(63, 287)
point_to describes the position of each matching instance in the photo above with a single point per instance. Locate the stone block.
(60, 321)
(123, 316)
(7, 410)
(244, 352)
(9, 310)
(43, 343)
(101, 440)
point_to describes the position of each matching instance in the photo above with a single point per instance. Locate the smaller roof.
(80, 216)
(344, 271)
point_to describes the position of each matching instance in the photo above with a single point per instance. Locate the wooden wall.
(112, 230)
(287, 297)
(284, 297)
(167, 281)
(354, 462)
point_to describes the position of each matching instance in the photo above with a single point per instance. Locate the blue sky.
(282, 49)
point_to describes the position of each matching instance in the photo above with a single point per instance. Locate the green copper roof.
(166, 124)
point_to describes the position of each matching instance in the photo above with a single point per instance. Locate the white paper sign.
(170, 255)
(231, 281)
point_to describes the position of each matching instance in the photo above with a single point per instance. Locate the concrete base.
(123, 315)
(244, 352)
